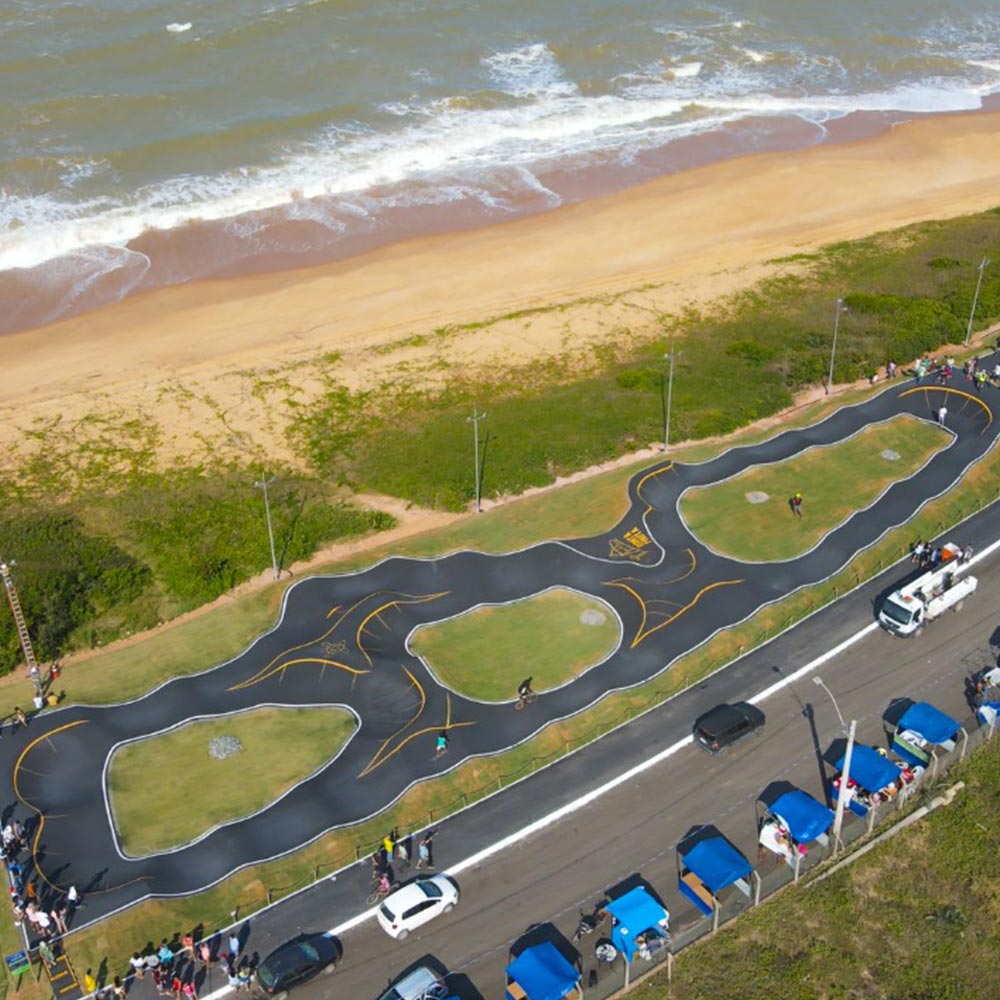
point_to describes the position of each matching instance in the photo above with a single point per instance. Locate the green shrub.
(64, 577)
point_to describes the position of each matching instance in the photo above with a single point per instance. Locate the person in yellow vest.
(89, 982)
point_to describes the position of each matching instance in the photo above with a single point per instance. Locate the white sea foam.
(530, 71)
(439, 149)
(177, 28)
(754, 56)
(686, 70)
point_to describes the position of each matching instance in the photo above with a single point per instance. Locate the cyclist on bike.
(384, 885)
(524, 691)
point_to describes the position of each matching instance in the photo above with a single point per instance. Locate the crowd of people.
(943, 372)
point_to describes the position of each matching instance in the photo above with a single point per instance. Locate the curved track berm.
(343, 640)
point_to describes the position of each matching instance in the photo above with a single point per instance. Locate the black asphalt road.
(567, 867)
(342, 640)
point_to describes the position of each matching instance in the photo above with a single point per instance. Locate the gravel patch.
(757, 497)
(224, 746)
(593, 617)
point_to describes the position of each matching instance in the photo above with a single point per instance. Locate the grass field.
(487, 652)
(915, 919)
(725, 519)
(281, 747)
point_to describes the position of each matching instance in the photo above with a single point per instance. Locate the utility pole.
(975, 299)
(22, 625)
(669, 357)
(833, 350)
(474, 420)
(262, 485)
(838, 816)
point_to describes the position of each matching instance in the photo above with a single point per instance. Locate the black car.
(297, 961)
(725, 725)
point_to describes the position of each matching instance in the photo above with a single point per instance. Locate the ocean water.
(145, 142)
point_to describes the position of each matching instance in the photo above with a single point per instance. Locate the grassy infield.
(725, 520)
(288, 743)
(581, 509)
(487, 652)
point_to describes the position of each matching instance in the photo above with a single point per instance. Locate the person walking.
(917, 556)
(403, 852)
(389, 845)
(118, 990)
(981, 380)
(441, 746)
(89, 982)
(205, 954)
(942, 414)
(425, 858)
(74, 901)
(58, 916)
(795, 504)
(138, 964)
(966, 554)
(165, 955)
(243, 974)
(20, 719)
(45, 952)
(234, 947)
(890, 370)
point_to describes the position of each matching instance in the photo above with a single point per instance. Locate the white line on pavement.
(577, 804)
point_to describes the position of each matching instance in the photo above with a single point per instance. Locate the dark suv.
(725, 725)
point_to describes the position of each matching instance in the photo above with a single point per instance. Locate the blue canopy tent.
(709, 867)
(871, 772)
(921, 728)
(804, 818)
(636, 913)
(796, 815)
(541, 973)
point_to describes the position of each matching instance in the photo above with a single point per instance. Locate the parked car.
(422, 983)
(297, 961)
(414, 904)
(725, 725)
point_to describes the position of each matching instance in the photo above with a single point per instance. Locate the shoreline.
(199, 250)
(194, 358)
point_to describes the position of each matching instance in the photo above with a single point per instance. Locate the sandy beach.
(212, 366)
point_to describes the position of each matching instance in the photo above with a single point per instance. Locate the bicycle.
(524, 700)
(380, 892)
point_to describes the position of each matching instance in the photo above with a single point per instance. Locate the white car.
(415, 903)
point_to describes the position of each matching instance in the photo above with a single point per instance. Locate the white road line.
(581, 803)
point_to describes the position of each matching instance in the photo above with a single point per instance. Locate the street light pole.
(838, 816)
(669, 356)
(833, 349)
(975, 299)
(262, 485)
(474, 420)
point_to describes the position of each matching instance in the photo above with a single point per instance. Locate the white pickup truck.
(908, 609)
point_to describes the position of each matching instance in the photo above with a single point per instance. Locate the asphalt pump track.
(342, 641)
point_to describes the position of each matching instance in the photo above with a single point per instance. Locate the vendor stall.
(873, 779)
(640, 925)
(541, 973)
(791, 823)
(707, 868)
(921, 730)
